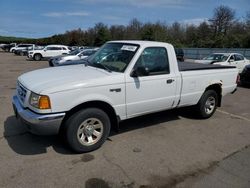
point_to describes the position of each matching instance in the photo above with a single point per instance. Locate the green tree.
(102, 34)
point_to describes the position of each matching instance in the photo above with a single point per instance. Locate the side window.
(54, 48)
(64, 48)
(154, 60)
(84, 53)
(88, 53)
(232, 58)
(57, 48)
(239, 58)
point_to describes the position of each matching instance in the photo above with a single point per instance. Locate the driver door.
(155, 90)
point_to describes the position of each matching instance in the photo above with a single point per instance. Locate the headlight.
(30, 52)
(40, 101)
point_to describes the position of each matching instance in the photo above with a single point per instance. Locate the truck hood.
(57, 79)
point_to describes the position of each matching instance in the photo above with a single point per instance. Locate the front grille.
(21, 92)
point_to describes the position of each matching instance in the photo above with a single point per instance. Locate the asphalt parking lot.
(167, 149)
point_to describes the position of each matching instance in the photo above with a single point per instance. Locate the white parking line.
(233, 115)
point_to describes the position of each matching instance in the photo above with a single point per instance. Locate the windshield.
(75, 52)
(217, 57)
(113, 56)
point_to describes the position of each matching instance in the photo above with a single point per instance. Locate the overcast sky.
(42, 18)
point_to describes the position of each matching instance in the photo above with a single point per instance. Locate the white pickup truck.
(122, 80)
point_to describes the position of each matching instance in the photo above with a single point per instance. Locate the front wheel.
(37, 57)
(87, 129)
(207, 104)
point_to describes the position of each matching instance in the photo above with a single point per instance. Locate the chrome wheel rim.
(210, 105)
(90, 131)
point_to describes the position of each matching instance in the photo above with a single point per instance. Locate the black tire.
(204, 110)
(72, 130)
(51, 64)
(37, 57)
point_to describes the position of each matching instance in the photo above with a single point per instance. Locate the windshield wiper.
(99, 65)
(87, 62)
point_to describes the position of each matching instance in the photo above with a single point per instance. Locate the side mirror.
(231, 60)
(139, 71)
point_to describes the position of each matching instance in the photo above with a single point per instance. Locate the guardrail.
(199, 53)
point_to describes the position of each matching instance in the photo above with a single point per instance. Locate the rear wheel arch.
(218, 89)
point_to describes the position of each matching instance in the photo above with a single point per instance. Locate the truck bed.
(185, 66)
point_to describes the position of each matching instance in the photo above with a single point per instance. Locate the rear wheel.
(207, 104)
(37, 57)
(87, 130)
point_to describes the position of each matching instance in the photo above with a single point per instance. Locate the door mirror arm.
(134, 73)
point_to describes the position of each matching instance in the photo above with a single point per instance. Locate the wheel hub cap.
(90, 131)
(210, 105)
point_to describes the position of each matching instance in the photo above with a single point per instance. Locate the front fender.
(65, 101)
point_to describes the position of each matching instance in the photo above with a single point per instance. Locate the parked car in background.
(24, 52)
(1, 45)
(179, 54)
(73, 48)
(233, 59)
(20, 47)
(245, 76)
(7, 47)
(212, 58)
(72, 56)
(47, 52)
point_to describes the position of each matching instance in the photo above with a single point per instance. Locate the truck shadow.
(25, 143)
(149, 120)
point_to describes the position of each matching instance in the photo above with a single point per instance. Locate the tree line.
(222, 30)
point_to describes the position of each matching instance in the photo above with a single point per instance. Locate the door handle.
(115, 90)
(169, 81)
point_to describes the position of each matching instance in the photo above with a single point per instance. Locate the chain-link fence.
(199, 53)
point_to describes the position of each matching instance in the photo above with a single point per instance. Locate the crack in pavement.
(118, 166)
(234, 115)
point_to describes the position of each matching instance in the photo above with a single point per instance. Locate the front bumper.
(30, 56)
(41, 124)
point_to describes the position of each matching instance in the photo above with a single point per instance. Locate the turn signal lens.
(44, 102)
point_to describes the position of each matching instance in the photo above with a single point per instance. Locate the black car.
(245, 76)
(7, 47)
(22, 52)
